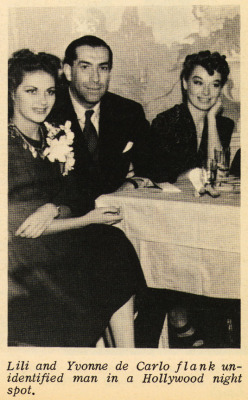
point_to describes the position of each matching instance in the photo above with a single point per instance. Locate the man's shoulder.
(116, 101)
(62, 108)
(62, 96)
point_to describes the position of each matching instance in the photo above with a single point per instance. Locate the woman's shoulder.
(13, 138)
(173, 116)
(225, 127)
(12, 133)
(176, 109)
(226, 121)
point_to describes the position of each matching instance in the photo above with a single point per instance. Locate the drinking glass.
(222, 158)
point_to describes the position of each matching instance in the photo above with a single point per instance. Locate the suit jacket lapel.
(110, 138)
(105, 117)
(79, 141)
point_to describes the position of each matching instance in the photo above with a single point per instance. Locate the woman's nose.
(206, 90)
(43, 98)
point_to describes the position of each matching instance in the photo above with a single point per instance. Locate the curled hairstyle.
(92, 41)
(210, 61)
(25, 61)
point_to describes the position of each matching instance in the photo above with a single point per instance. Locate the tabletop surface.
(185, 243)
(186, 194)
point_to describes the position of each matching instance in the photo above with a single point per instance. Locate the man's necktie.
(89, 132)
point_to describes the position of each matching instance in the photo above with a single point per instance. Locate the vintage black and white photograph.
(124, 177)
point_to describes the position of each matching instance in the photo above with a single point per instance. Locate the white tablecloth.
(185, 244)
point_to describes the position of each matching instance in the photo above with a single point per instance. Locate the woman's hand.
(38, 222)
(213, 112)
(104, 215)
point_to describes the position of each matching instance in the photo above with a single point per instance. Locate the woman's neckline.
(28, 137)
(35, 146)
(29, 129)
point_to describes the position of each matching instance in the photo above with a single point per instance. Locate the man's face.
(89, 75)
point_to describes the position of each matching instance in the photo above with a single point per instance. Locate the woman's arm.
(213, 135)
(41, 222)
(103, 215)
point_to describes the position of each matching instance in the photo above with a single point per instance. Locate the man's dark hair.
(92, 41)
(210, 61)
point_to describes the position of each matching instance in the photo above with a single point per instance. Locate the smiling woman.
(34, 97)
(185, 136)
(60, 249)
(203, 90)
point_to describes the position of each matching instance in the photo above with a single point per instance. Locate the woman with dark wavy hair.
(76, 273)
(185, 136)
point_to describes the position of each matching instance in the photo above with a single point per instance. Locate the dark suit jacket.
(174, 143)
(121, 121)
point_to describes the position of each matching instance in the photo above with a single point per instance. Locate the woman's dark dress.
(174, 143)
(74, 281)
(173, 151)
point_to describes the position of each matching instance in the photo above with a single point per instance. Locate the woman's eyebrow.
(198, 77)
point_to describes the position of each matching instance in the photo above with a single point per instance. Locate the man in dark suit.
(110, 130)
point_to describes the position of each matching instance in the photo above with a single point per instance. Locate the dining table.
(185, 243)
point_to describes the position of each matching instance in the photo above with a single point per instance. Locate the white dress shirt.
(80, 111)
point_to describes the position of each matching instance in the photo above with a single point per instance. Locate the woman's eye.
(197, 82)
(216, 85)
(31, 91)
(51, 92)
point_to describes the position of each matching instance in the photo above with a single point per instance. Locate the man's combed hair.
(92, 41)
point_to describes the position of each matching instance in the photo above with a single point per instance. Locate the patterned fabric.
(72, 281)
(90, 133)
(174, 143)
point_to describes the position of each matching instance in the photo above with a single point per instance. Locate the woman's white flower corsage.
(59, 141)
